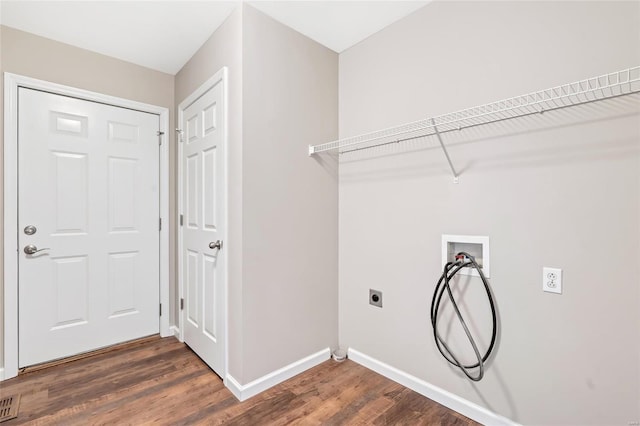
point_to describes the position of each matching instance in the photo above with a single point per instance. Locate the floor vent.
(9, 407)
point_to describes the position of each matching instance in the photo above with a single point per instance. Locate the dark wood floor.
(160, 381)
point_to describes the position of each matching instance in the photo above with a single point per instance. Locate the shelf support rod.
(446, 153)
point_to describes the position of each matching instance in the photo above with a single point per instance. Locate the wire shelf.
(619, 83)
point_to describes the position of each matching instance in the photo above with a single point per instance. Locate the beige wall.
(290, 229)
(224, 48)
(282, 241)
(33, 56)
(282, 204)
(559, 190)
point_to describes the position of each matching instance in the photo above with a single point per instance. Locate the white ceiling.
(338, 25)
(163, 35)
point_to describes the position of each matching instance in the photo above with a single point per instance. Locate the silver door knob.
(31, 249)
(215, 245)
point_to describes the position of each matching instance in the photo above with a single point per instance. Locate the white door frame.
(218, 77)
(11, 84)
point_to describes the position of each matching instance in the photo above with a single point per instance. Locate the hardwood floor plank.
(360, 394)
(160, 381)
(371, 411)
(113, 402)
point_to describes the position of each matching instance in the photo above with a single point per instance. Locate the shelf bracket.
(446, 153)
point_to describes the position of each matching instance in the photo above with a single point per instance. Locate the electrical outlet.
(552, 280)
(375, 298)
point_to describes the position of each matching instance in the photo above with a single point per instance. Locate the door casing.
(10, 297)
(218, 77)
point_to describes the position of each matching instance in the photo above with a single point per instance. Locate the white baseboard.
(441, 396)
(235, 387)
(175, 331)
(243, 392)
(1, 374)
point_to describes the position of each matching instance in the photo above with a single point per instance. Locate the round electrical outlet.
(375, 298)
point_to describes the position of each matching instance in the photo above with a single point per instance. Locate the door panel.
(70, 279)
(203, 201)
(209, 296)
(122, 194)
(209, 163)
(70, 174)
(192, 192)
(88, 181)
(122, 283)
(193, 288)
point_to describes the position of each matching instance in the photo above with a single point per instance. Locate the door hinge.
(160, 137)
(179, 132)
(160, 224)
(182, 303)
(181, 219)
(161, 309)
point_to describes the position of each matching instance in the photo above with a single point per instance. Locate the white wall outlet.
(552, 280)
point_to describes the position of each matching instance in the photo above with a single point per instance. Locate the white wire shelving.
(611, 85)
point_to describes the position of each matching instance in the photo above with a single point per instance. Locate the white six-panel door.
(88, 184)
(203, 225)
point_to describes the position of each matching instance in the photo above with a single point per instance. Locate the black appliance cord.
(463, 260)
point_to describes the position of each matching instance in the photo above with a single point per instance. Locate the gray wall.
(37, 57)
(290, 233)
(224, 48)
(559, 190)
(283, 205)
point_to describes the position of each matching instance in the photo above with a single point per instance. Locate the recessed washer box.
(476, 246)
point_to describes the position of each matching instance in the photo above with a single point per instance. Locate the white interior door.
(203, 224)
(88, 185)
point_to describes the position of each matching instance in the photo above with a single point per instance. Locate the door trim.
(10, 256)
(218, 77)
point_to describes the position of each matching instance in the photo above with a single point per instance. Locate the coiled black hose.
(463, 260)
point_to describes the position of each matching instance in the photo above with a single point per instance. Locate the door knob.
(31, 249)
(215, 245)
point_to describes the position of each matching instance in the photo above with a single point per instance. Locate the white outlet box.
(476, 246)
(552, 280)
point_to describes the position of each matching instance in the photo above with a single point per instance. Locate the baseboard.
(235, 387)
(441, 396)
(1, 374)
(175, 331)
(243, 392)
